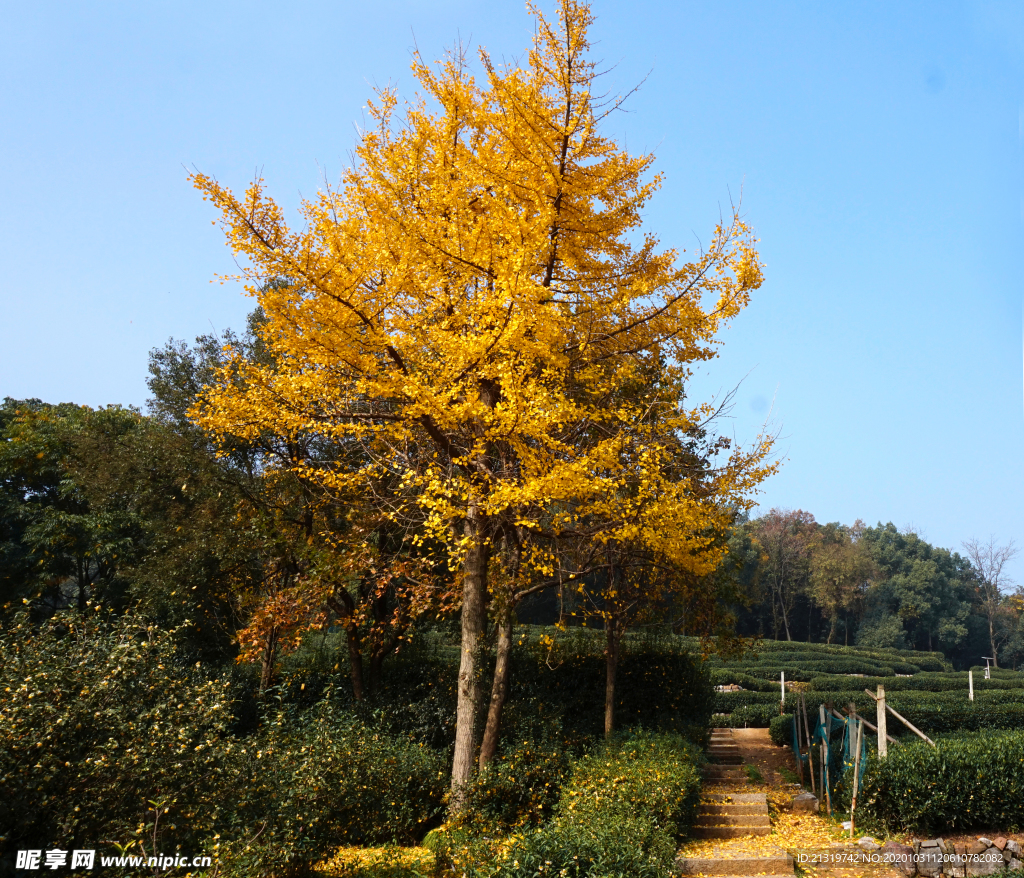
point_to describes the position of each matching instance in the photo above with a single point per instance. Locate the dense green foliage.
(100, 718)
(963, 783)
(876, 587)
(105, 733)
(113, 711)
(780, 729)
(310, 783)
(619, 813)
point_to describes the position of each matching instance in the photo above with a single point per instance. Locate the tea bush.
(619, 814)
(963, 783)
(606, 846)
(655, 775)
(780, 730)
(519, 789)
(660, 685)
(99, 718)
(312, 781)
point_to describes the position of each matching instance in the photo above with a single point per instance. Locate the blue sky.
(878, 147)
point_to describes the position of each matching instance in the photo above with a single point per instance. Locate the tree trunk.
(355, 662)
(832, 630)
(785, 619)
(474, 620)
(499, 690)
(992, 641)
(614, 637)
(269, 659)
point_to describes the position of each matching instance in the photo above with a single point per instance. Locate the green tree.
(62, 550)
(928, 589)
(785, 537)
(840, 570)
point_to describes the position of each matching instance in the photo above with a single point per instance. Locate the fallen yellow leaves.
(792, 833)
(353, 862)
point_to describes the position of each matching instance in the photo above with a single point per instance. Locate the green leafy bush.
(661, 685)
(606, 846)
(943, 682)
(312, 781)
(964, 783)
(102, 726)
(519, 789)
(781, 730)
(651, 774)
(619, 814)
(748, 716)
(99, 719)
(726, 676)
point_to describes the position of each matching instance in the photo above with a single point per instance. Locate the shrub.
(748, 716)
(650, 774)
(99, 718)
(517, 790)
(604, 846)
(660, 684)
(781, 730)
(963, 783)
(313, 781)
(383, 862)
(618, 815)
(950, 712)
(726, 676)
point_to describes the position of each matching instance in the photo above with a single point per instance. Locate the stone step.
(729, 831)
(726, 759)
(728, 820)
(735, 798)
(749, 867)
(735, 808)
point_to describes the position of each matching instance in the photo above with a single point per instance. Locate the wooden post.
(883, 738)
(807, 738)
(871, 726)
(970, 684)
(827, 752)
(880, 699)
(856, 770)
(782, 699)
(798, 740)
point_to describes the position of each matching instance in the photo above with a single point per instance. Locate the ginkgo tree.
(466, 305)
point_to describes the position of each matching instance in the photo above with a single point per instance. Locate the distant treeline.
(874, 587)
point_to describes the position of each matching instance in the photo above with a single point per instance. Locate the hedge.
(781, 730)
(932, 712)
(964, 783)
(620, 813)
(945, 682)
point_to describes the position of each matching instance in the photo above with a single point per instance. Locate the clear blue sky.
(878, 147)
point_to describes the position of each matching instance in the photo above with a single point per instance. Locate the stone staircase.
(733, 867)
(728, 815)
(732, 815)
